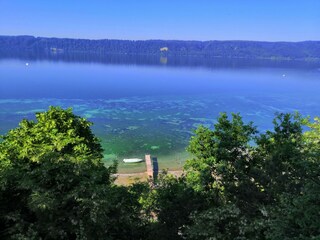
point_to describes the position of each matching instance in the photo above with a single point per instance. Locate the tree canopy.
(54, 185)
(266, 185)
(237, 184)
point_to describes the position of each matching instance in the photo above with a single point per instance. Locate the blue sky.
(269, 20)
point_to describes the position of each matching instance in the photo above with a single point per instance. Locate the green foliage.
(171, 202)
(216, 223)
(223, 162)
(298, 212)
(281, 154)
(57, 133)
(269, 180)
(238, 184)
(297, 216)
(54, 184)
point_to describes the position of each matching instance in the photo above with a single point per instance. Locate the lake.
(152, 104)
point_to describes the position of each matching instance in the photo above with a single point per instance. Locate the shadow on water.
(155, 167)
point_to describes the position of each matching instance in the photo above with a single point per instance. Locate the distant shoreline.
(219, 49)
(156, 39)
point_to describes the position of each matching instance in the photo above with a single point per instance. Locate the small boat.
(132, 160)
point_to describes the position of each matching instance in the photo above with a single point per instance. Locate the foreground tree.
(169, 206)
(223, 162)
(238, 184)
(56, 133)
(297, 214)
(259, 187)
(54, 184)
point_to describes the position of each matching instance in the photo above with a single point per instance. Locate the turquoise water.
(138, 109)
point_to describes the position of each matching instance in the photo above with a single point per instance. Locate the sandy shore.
(130, 178)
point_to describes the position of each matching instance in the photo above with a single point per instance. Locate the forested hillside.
(227, 49)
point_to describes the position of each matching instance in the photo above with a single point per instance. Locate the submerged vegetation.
(238, 184)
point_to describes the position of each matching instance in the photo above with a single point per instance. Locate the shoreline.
(130, 178)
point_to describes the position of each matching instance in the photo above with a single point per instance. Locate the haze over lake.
(145, 105)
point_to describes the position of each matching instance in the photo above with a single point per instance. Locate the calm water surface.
(153, 108)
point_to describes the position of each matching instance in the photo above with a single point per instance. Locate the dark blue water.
(140, 108)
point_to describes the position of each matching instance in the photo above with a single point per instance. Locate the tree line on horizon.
(226, 49)
(238, 184)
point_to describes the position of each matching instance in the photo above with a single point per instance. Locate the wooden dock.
(149, 166)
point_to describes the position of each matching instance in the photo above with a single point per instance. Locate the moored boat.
(132, 160)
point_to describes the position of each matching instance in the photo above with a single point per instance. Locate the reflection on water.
(153, 60)
(148, 109)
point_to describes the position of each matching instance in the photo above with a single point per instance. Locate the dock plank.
(149, 166)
